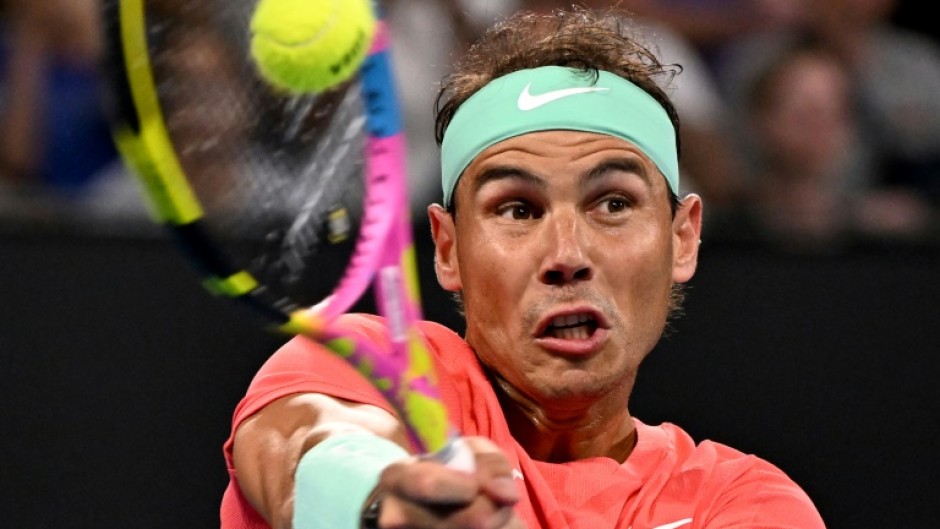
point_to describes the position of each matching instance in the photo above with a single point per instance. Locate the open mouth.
(571, 327)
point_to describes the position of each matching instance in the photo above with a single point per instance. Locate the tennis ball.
(310, 45)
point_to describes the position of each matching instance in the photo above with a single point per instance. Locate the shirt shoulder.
(728, 487)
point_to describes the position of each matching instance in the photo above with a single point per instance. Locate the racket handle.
(457, 454)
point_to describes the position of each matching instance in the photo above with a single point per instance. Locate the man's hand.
(424, 493)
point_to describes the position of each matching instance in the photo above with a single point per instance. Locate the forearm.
(269, 445)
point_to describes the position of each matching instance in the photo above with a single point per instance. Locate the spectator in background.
(894, 76)
(55, 135)
(802, 135)
(709, 25)
(427, 32)
(898, 74)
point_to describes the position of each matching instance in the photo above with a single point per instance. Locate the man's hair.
(577, 38)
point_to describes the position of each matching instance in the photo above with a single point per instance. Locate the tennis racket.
(294, 205)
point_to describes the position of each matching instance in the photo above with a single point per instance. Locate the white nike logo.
(673, 525)
(528, 101)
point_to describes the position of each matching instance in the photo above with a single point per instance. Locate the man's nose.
(566, 250)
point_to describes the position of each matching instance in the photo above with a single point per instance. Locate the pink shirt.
(667, 482)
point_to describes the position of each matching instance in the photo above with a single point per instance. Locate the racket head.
(293, 204)
(264, 190)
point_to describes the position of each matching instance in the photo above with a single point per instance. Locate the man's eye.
(516, 211)
(615, 204)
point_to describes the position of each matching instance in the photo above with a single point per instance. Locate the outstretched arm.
(268, 445)
(272, 444)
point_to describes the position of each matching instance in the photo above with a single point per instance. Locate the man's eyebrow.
(623, 164)
(505, 172)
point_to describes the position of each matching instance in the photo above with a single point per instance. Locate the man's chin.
(573, 387)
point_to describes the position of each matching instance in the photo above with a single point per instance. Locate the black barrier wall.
(118, 376)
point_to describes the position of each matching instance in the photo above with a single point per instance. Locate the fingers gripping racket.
(292, 204)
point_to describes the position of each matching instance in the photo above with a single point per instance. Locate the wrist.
(336, 479)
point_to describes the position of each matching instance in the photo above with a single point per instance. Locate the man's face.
(565, 251)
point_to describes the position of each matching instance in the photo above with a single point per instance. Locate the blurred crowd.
(810, 125)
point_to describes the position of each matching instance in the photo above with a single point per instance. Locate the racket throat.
(392, 303)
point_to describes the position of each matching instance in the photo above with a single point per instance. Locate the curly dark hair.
(582, 39)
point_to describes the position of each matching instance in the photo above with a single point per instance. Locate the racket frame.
(384, 256)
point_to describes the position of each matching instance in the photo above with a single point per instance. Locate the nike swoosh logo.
(673, 525)
(528, 101)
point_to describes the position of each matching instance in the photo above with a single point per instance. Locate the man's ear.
(443, 232)
(686, 238)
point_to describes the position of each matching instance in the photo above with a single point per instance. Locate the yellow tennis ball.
(310, 45)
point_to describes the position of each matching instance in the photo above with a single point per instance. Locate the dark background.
(118, 377)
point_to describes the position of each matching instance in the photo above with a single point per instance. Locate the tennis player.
(563, 233)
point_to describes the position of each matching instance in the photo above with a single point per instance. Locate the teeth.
(571, 327)
(579, 332)
(575, 333)
(571, 320)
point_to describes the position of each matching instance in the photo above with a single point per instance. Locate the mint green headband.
(557, 98)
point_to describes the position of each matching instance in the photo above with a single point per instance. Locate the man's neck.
(600, 428)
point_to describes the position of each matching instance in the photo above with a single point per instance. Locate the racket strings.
(279, 177)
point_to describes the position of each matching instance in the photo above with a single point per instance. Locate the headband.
(557, 98)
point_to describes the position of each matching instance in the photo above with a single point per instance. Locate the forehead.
(555, 149)
(562, 158)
